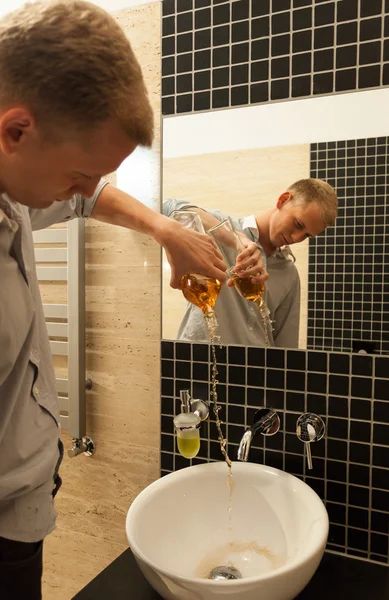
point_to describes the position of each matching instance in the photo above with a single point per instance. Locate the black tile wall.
(349, 264)
(350, 465)
(223, 53)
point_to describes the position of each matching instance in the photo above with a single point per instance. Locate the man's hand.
(190, 252)
(249, 263)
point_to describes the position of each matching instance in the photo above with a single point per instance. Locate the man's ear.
(285, 197)
(15, 126)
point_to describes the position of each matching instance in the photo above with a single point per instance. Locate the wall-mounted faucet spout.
(266, 422)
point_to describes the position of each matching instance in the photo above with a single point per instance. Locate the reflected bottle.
(198, 289)
(231, 246)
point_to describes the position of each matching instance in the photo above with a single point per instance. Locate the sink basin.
(180, 528)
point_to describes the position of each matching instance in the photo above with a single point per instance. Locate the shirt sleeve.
(58, 212)
(287, 318)
(175, 204)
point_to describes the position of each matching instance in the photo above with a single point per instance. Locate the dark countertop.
(338, 578)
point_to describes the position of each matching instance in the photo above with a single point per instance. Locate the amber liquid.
(222, 440)
(253, 291)
(203, 293)
(246, 288)
(200, 291)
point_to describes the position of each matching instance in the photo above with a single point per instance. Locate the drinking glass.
(230, 245)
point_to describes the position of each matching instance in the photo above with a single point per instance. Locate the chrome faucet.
(266, 422)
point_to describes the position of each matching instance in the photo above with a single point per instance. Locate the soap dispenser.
(187, 425)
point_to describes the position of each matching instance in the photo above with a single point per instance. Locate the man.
(304, 210)
(73, 106)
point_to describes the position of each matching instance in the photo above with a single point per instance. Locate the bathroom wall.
(348, 263)
(282, 68)
(123, 340)
(350, 392)
(222, 54)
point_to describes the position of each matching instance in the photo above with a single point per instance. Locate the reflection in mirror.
(301, 212)
(332, 284)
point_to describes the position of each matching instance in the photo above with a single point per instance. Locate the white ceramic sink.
(179, 528)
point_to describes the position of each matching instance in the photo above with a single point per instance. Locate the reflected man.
(303, 211)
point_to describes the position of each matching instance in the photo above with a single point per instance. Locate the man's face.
(37, 173)
(294, 222)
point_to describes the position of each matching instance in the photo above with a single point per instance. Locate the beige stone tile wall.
(123, 340)
(239, 183)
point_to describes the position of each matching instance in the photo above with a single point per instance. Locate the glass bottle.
(198, 289)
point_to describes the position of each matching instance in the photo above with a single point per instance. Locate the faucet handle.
(83, 445)
(310, 428)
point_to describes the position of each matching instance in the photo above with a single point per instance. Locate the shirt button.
(250, 328)
(35, 390)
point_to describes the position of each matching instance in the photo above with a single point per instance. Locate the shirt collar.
(9, 223)
(11, 208)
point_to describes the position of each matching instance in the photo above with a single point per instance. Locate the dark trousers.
(21, 563)
(20, 570)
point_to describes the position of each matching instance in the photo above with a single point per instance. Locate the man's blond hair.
(305, 191)
(71, 64)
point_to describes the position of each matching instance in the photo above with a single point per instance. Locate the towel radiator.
(62, 260)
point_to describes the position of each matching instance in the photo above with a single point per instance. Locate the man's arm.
(187, 251)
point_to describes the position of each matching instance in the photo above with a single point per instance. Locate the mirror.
(344, 272)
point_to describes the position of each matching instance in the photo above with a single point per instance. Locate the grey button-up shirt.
(239, 320)
(28, 399)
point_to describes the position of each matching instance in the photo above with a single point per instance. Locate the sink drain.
(224, 573)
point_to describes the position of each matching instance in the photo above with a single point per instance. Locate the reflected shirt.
(240, 322)
(29, 415)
